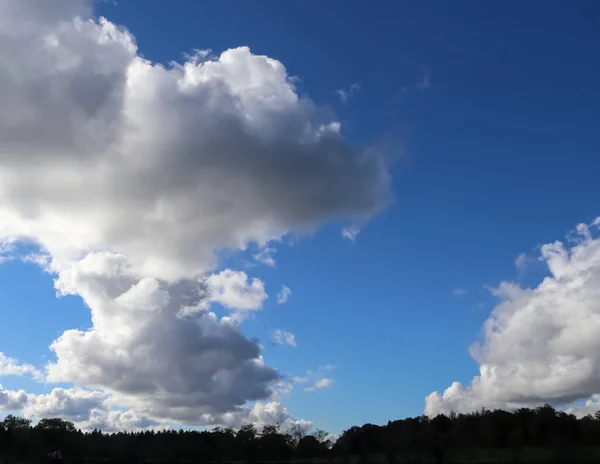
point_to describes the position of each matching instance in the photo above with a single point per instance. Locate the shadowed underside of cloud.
(130, 175)
(540, 345)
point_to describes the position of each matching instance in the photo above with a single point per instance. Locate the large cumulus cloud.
(101, 149)
(540, 345)
(131, 176)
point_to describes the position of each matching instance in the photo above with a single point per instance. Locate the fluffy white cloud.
(132, 176)
(87, 409)
(164, 165)
(284, 294)
(11, 400)
(282, 337)
(590, 406)
(70, 404)
(540, 345)
(10, 366)
(233, 290)
(262, 414)
(459, 292)
(93, 410)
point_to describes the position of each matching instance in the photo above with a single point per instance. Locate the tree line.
(511, 435)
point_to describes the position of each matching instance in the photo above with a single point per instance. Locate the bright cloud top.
(163, 165)
(540, 345)
(130, 176)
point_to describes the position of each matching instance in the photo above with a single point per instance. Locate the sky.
(344, 212)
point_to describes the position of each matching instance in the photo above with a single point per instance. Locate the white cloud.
(132, 177)
(282, 337)
(590, 406)
(283, 294)
(265, 256)
(233, 290)
(347, 93)
(459, 292)
(261, 414)
(540, 345)
(11, 400)
(87, 409)
(521, 261)
(10, 366)
(350, 233)
(321, 383)
(90, 410)
(233, 154)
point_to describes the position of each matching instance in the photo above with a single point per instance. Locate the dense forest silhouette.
(540, 434)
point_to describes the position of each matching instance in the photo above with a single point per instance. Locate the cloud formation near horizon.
(540, 345)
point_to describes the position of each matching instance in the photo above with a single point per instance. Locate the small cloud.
(319, 384)
(281, 337)
(423, 84)
(284, 294)
(299, 379)
(323, 383)
(459, 292)
(345, 94)
(350, 233)
(327, 367)
(521, 261)
(280, 389)
(265, 256)
(12, 367)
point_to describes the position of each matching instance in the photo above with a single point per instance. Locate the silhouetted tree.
(503, 435)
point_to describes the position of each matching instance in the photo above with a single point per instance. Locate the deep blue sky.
(499, 154)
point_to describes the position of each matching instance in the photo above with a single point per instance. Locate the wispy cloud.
(350, 233)
(265, 256)
(459, 292)
(12, 367)
(282, 337)
(521, 261)
(423, 84)
(321, 383)
(299, 379)
(284, 294)
(347, 93)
